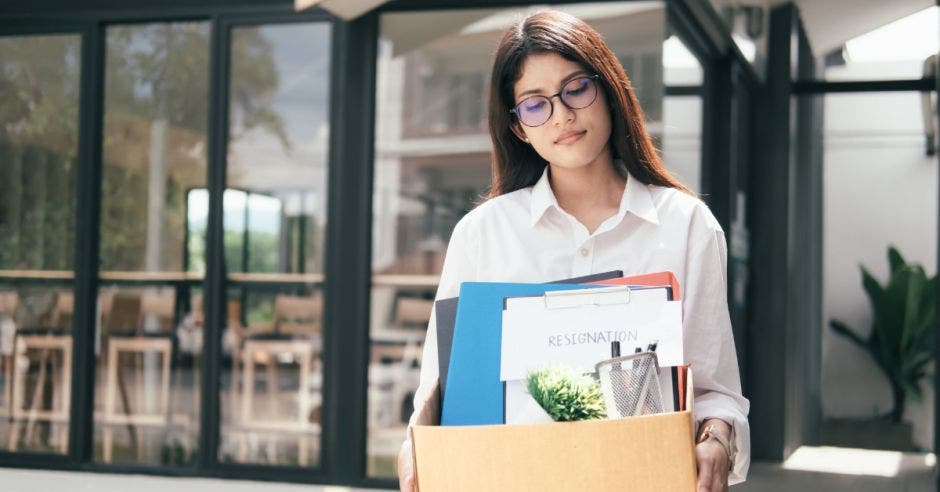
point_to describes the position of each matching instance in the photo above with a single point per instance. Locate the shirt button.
(584, 251)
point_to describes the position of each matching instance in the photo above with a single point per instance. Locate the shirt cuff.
(718, 406)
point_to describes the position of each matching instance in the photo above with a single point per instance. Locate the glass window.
(432, 165)
(39, 80)
(880, 190)
(681, 141)
(680, 66)
(150, 324)
(895, 50)
(274, 224)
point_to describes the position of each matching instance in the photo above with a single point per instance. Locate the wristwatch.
(712, 431)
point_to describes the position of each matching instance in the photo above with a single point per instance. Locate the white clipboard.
(575, 328)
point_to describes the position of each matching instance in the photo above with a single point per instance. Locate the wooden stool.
(61, 387)
(123, 310)
(294, 317)
(114, 383)
(48, 341)
(268, 350)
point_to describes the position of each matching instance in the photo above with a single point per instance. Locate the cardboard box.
(654, 452)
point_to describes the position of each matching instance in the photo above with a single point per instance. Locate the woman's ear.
(517, 130)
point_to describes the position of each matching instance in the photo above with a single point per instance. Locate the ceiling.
(828, 23)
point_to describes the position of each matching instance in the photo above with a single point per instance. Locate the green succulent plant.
(903, 328)
(566, 395)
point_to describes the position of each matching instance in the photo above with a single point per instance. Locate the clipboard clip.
(604, 296)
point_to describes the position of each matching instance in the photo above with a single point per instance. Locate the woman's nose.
(561, 112)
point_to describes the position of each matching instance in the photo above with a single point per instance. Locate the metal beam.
(805, 232)
(717, 186)
(348, 248)
(769, 197)
(214, 282)
(87, 241)
(803, 87)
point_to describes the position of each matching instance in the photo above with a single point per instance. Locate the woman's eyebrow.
(564, 80)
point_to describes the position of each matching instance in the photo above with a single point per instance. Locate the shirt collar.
(542, 198)
(636, 199)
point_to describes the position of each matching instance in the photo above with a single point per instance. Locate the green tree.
(39, 91)
(159, 74)
(154, 73)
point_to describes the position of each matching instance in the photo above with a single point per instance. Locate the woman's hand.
(712, 461)
(406, 468)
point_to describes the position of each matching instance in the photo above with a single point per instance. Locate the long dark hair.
(517, 165)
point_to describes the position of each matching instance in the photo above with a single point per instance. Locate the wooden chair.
(121, 314)
(9, 301)
(412, 313)
(403, 340)
(60, 317)
(137, 326)
(399, 346)
(294, 332)
(412, 316)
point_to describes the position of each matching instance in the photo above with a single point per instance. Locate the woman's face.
(571, 138)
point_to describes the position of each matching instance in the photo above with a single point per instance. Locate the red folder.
(647, 279)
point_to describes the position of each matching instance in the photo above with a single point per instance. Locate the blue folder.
(474, 392)
(446, 315)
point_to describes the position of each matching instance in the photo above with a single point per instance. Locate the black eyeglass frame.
(551, 104)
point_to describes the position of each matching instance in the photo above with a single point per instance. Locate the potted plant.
(566, 395)
(901, 341)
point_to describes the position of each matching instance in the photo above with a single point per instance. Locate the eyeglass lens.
(578, 93)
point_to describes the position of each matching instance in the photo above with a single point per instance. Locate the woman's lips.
(569, 138)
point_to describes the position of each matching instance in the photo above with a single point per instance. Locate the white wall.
(880, 188)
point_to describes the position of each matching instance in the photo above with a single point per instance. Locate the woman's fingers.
(407, 483)
(406, 477)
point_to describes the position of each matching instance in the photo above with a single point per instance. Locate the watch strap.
(712, 431)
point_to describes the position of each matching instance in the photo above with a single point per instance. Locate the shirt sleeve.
(709, 345)
(458, 267)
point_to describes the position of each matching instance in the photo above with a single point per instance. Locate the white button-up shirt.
(524, 236)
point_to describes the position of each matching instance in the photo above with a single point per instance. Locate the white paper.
(535, 337)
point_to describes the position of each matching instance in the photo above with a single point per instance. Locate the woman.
(579, 188)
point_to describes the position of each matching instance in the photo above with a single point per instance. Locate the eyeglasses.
(577, 93)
